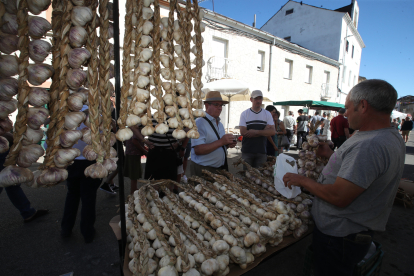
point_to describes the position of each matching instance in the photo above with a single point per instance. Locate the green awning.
(313, 104)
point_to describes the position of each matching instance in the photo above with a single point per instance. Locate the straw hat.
(214, 96)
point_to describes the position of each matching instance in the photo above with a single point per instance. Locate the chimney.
(254, 22)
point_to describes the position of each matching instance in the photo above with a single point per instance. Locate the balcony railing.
(218, 68)
(327, 91)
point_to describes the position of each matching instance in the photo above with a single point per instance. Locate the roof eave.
(354, 30)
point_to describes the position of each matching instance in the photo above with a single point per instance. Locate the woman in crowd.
(327, 126)
(271, 142)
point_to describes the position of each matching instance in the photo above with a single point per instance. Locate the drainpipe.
(270, 64)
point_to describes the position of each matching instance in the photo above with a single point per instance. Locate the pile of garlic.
(309, 164)
(27, 133)
(204, 229)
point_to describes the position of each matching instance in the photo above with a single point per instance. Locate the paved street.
(36, 248)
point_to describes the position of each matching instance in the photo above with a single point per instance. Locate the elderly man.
(256, 124)
(356, 189)
(316, 119)
(290, 125)
(209, 151)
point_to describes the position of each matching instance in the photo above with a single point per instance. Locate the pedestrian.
(394, 123)
(209, 151)
(290, 125)
(302, 124)
(327, 126)
(134, 150)
(16, 194)
(255, 125)
(280, 131)
(406, 127)
(314, 120)
(339, 129)
(355, 192)
(272, 144)
(80, 189)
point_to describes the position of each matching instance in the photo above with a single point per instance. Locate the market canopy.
(227, 87)
(396, 114)
(313, 104)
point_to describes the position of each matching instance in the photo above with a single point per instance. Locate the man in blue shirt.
(208, 152)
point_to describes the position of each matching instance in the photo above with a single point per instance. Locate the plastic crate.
(370, 267)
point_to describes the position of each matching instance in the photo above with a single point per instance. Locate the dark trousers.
(339, 255)
(19, 200)
(161, 164)
(301, 138)
(196, 169)
(289, 135)
(338, 141)
(82, 189)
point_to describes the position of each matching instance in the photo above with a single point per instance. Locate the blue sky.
(386, 27)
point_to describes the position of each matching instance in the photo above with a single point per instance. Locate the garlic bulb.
(124, 134)
(37, 6)
(178, 50)
(132, 120)
(194, 39)
(170, 110)
(86, 135)
(146, 120)
(77, 36)
(38, 96)
(6, 125)
(184, 113)
(147, 130)
(155, 105)
(81, 15)
(166, 74)
(188, 123)
(39, 50)
(143, 81)
(8, 88)
(39, 73)
(12, 175)
(173, 123)
(194, 50)
(38, 26)
(147, 13)
(161, 128)
(210, 266)
(74, 119)
(96, 170)
(163, 115)
(8, 43)
(165, 60)
(182, 101)
(145, 55)
(29, 154)
(168, 99)
(75, 101)
(110, 164)
(78, 57)
(179, 75)
(146, 41)
(165, 45)
(10, 25)
(32, 136)
(4, 144)
(9, 65)
(179, 63)
(52, 176)
(36, 116)
(181, 88)
(179, 134)
(70, 137)
(89, 153)
(199, 113)
(177, 36)
(142, 95)
(139, 108)
(75, 78)
(144, 68)
(147, 27)
(193, 134)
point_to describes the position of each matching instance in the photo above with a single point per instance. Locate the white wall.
(316, 29)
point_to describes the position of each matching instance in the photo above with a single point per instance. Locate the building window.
(353, 48)
(356, 19)
(326, 77)
(347, 46)
(289, 12)
(349, 78)
(260, 61)
(343, 74)
(287, 73)
(288, 38)
(308, 74)
(354, 80)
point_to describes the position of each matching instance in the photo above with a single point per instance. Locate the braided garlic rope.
(23, 90)
(199, 56)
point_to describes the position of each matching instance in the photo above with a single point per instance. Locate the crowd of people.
(352, 200)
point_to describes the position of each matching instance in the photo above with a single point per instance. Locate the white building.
(332, 33)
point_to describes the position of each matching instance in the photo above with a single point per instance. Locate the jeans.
(318, 131)
(339, 255)
(82, 189)
(289, 135)
(19, 200)
(301, 138)
(254, 159)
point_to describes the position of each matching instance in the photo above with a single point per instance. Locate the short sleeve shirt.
(289, 122)
(315, 119)
(258, 121)
(374, 161)
(338, 124)
(302, 122)
(215, 158)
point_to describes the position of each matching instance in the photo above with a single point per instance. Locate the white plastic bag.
(294, 140)
(285, 164)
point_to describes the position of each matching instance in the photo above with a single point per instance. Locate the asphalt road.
(36, 248)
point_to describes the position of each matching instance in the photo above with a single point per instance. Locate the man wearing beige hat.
(209, 151)
(256, 124)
